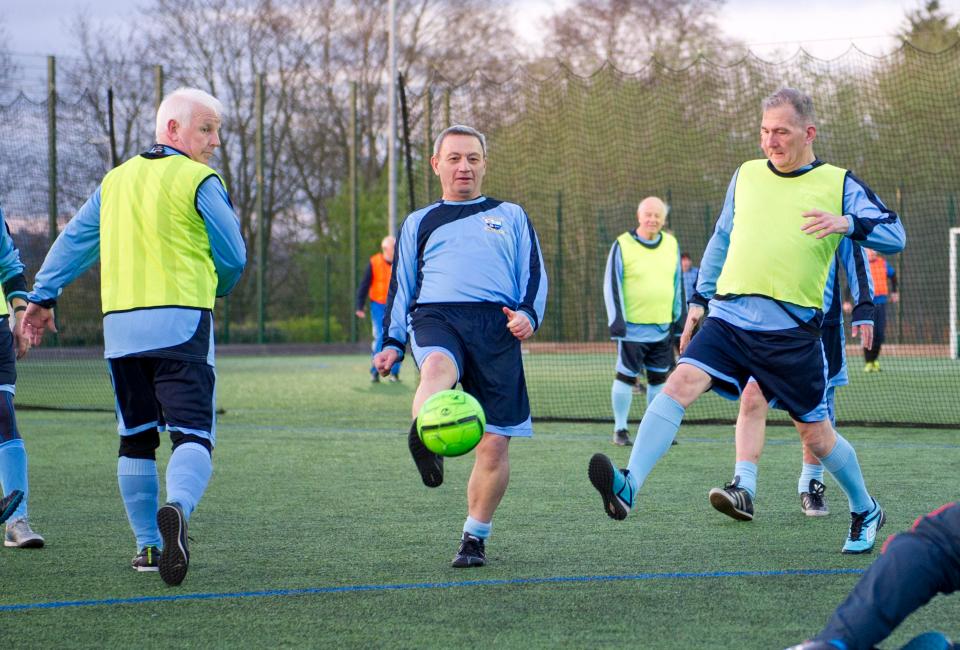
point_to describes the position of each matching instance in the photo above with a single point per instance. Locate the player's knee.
(655, 378)
(752, 401)
(179, 438)
(439, 368)
(626, 379)
(686, 384)
(140, 445)
(818, 437)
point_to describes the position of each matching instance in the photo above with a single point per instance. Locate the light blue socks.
(653, 391)
(477, 528)
(843, 466)
(747, 472)
(188, 473)
(140, 490)
(621, 394)
(657, 431)
(808, 473)
(13, 472)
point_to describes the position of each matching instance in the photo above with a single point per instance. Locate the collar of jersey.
(479, 199)
(796, 172)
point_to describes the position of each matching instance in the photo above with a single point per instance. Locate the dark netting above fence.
(578, 153)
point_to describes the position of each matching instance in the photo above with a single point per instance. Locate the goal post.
(954, 234)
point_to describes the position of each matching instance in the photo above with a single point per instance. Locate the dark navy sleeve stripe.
(863, 227)
(364, 287)
(619, 325)
(533, 284)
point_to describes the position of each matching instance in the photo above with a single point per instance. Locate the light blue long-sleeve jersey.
(483, 250)
(11, 268)
(620, 328)
(145, 330)
(872, 225)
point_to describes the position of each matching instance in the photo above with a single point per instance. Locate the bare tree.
(628, 33)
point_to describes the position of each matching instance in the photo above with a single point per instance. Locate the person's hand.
(866, 335)
(36, 320)
(847, 307)
(384, 360)
(359, 313)
(518, 324)
(822, 224)
(21, 344)
(895, 297)
(694, 315)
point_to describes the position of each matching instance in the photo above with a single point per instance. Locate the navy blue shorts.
(8, 357)
(634, 357)
(166, 394)
(487, 356)
(833, 342)
(789, 366)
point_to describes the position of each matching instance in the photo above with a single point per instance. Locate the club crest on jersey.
(492, 225)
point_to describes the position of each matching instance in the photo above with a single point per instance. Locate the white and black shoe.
(733, 500)
(813, 502)
(471, 552)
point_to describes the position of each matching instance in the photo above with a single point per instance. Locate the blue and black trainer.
(863, 530)
(616, 487)
(9, 504)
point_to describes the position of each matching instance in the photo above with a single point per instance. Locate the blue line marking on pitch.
(427, 585)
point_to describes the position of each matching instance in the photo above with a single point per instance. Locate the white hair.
(180, 104)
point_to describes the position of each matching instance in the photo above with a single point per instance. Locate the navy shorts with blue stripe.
(789, 365)
(634, 357)
(489, 365)
(832, 336)
(162, 393)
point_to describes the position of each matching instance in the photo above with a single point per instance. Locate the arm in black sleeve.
(364, 287)
(16, 284)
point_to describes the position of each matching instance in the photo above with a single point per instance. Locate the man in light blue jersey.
(169, 243)
(764, 272)
(643, 294)
(736, 499)
(468, 285)
(13, 346)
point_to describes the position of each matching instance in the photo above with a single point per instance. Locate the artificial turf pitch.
(317, 532)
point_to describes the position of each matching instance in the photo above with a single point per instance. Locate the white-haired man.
(468, 285)
(169, 243)
(643, 293)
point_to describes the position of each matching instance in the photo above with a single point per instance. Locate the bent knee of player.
(686, 384)
(438, 369)
(493, 449)
(818, 437)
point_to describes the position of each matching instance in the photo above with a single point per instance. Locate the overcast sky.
(824, 27)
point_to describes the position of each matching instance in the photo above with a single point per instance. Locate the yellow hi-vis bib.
(649, 276)
(769, 255)
(154, 247)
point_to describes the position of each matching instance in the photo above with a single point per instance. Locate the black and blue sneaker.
(175, 556)
(616, 487)
(9, 504)
(863, 530)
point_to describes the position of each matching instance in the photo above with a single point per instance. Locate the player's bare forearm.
(694, 316)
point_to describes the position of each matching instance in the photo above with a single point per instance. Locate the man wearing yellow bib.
(644, 298)
(169, 243)
(764, 273)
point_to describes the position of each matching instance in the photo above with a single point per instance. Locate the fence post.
(52, 148)
(261, 217)
(428, 145)
(902, 259)
(560, 335)
(157, 85)
(354, 196)
(326, 299)
(446, 108)
(111, 130)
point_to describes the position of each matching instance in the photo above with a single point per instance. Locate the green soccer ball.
(451, 423)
